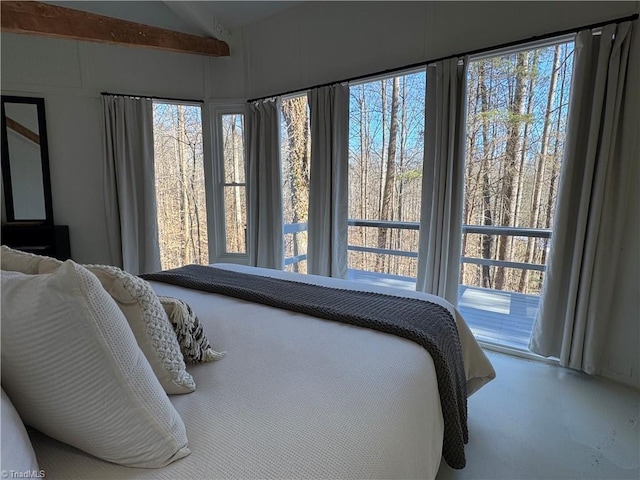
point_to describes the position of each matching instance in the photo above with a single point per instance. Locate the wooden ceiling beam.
(37, 18)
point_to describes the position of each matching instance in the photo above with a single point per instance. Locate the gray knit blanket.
(428, 324)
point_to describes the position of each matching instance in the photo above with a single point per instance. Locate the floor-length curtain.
(129, 184)
(589, 219)
(264, 189)
(329, 188)
(439, 243)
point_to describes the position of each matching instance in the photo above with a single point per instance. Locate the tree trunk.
(383, 88)
(487, 217)
(525, 142)
(403, 142)
(474, 96)
(555, 164)
(237, 200)
(184, 198)
(387, 198)
(379, 267)
(514, 145)
(294, 113)
(364, 160)
(540, 168)
(196, 239)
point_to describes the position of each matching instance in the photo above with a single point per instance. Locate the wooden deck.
(503, 318)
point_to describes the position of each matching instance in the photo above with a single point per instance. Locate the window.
(295, 156)
(386, 148)
(517, 114)
(180, 184)
(233, 183)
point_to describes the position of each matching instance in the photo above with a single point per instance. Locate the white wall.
(70, 75)
(319, 42)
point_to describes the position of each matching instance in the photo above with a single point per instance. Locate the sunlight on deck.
(503, 318)
(487, 300)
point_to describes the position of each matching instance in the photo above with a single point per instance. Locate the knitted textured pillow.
(25, 262)
(150, 325)
(193, 342)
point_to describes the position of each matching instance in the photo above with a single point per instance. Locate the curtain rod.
(151, 97)
(535, 38)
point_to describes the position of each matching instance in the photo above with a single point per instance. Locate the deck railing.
(294, 228)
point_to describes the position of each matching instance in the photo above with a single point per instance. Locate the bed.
(297, 397)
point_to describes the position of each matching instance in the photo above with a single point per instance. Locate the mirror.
(25, 161)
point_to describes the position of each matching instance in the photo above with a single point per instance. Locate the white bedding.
(297, 397)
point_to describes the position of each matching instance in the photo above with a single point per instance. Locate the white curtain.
(129, 183)
(264, 190)
(601, 144)
(439, 243)
(329, 188)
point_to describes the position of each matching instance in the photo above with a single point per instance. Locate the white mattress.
(296, 397)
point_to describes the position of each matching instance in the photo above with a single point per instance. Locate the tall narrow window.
(517, 114)
(295, 160)
(180, 184)
(386, 148)
(233, 184)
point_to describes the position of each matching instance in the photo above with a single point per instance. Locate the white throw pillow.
(17, 452)
(141, 307)
(74, 371)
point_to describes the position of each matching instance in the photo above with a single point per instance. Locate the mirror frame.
(44, 160)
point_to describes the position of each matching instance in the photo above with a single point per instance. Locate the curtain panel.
(329, 187)
(265, 237)
(129, 184)
(439, 241)
(590, 217)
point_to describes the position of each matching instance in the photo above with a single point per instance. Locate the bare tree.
(180, 189)
(487, 217)
(513, 146)
(387, 195)
(540, 167)
(296, 167)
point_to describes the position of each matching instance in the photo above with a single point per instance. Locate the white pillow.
(74, 371)
(141, 307)
(18, 261)
(17, 452)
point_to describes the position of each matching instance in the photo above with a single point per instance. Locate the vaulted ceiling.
(195, 17)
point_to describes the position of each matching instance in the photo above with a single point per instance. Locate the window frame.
(219, 245)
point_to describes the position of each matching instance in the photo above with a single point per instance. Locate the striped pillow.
(194, 345)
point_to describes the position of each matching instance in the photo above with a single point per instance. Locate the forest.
(179, 182)
(515, 131)
(516, 120)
